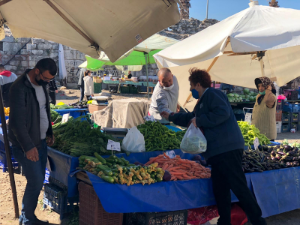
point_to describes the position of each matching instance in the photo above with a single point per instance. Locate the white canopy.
(228, 49)
(155, 42)
(90, 26)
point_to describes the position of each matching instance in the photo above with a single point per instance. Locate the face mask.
(41, 82)
(168, 88)
(195, 94)
(262, 93)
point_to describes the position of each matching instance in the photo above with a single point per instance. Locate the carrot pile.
(180, 169)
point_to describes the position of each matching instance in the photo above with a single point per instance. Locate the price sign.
(256, 143)
(65, 118)
(171, 154)
(248, 117)
(113, 146)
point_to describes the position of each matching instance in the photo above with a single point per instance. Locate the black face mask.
(41, 82)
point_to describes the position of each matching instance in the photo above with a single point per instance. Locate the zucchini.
(100, 158)
(108, 179)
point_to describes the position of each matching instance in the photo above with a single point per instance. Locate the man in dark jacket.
(225, 146)
(29, 126)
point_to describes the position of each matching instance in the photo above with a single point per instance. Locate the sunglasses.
(45, 78)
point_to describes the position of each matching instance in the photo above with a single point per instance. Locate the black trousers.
(52, 95)
(81, 93)
(227, 174)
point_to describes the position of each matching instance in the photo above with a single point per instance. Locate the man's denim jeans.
(35, 175)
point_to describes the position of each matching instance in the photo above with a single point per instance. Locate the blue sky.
(221, 9)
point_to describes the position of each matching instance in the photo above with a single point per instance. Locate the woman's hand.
(194, 121)
(269, 88)
(165, 115)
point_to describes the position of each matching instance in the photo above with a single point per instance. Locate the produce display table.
(158, 197)
(73, 112)
(151, 84)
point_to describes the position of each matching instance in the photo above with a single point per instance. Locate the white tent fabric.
(258, 28)
(155, 42)
(114, 26)
(61, 63)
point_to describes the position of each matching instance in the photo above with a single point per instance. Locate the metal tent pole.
(8, 156)
(146, 62)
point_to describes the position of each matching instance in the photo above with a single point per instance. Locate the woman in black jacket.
(225, 145)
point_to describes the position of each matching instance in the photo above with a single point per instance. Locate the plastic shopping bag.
(193, 141)
(134, 141)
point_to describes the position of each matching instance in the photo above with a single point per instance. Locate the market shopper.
(225, 146)
(129, 75)
(6, 80)
(88, 84)
(30, 131)
(52, 88)
(81, 83)
(264, 111)
(165, 95)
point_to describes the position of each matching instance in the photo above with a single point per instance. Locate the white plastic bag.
(193, 141)
(134, 141)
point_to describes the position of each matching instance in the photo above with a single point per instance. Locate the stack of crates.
(279, 117)
(290, 117)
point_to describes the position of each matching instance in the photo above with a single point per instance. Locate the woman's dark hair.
(200, 76)
(87, 72)
(47, 64)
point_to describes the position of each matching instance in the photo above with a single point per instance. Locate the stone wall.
(20, 54)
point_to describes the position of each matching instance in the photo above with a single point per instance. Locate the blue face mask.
(262, 93)
(195, 94)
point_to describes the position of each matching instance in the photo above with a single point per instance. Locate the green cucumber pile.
(159, 138)
(120, 171)
(77, 138)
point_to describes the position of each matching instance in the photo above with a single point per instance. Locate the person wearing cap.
(264, 111)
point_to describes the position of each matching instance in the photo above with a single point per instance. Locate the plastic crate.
(125, 89)
(291, 94)
(285, 128)
(161, 218)
(279, 116)
(279, 105)
(133, 90)
(294, 126)
(91, 210)
(55, 197)
(286, 117)
(294, 117)
(278, 127)
(97, 87)
(3, 162)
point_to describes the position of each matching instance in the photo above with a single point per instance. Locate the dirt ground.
(71, 96)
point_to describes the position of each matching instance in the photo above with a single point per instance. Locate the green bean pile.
(159, 138)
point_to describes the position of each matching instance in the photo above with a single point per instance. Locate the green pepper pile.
(250, 132)
(159, 138)
(77, 138)
(120, 171)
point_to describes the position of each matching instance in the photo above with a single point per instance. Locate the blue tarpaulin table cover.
(73, 112)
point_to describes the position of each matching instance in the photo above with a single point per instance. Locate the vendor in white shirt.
(165, 95)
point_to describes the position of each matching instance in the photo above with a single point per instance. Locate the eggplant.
(281, 153)
(197, 158)
(203, 162)
(167, 176)
(288, 148)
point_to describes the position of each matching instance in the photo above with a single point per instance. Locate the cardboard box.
(93, 108)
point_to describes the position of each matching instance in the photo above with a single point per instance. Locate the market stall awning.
(89, 26)
(231, 49)
(136, 56)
